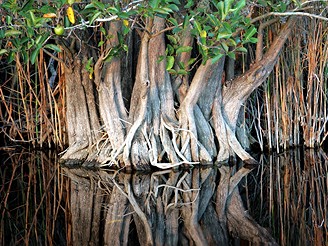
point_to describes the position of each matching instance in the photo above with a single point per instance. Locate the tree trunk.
(170, 121)
(232, 96)
(81, 113)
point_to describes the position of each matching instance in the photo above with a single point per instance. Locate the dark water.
(283, 201)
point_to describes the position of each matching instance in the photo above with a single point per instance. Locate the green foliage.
(218, 27)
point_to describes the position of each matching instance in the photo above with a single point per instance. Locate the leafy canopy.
(219, 27)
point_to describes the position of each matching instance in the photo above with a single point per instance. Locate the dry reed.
(33, 110)
(291, 107)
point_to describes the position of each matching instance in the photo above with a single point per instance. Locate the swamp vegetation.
(189, 89)
(164, 83)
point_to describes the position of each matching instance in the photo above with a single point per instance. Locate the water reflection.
(292, 196)
(42, 203)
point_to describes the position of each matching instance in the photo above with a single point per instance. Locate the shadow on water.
(44, 204)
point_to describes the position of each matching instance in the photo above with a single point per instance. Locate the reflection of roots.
(166, 207)
(159, 200)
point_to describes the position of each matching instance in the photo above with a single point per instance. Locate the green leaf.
(250, 32)
(182, 72)
(99, 5)
(11, 56)
(35, 53)
(282, 7)
(161, 11)
(126, 30)
(169, 49)
(253, 40)
(181, 65)
(238, 7)
(169, 62)
(185, 21)
(176, 30)
(176, 1)
(174, 7)
(223, 35)
(204, 53)
(25, 56)
(172, 71)
(241, 49)
(225, 47)
(213, 20)
(8, 19)
(12, 32)
(191, 61)
(173, 21)
(89, 6)
(95, 16)
(161, 58)
(47, 9)
(123, 15)
(217, 58)
(220, 7)
(197, 25)
(103, 30)
(231, 42)
(3, 51)
(53, 47)
(32, 16)
(189, 4)
(88, 66)
(172, 39)
(41, 38)
(154, 3)
(232, 55)
(227, 6)
(2, 33)
(113, 10)
(227, 27)
(184, 49)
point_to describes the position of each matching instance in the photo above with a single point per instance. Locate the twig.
(54, 57)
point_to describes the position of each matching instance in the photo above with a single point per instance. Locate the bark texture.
(172, 120)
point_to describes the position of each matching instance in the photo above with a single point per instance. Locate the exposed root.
(75, 154)
(153, 156)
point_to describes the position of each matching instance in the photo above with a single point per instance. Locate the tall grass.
(32, 110)
(292, 105)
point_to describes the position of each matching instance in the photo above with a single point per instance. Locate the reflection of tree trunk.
(117, 221)
(241, 224)
(86, 205)
(168, 208)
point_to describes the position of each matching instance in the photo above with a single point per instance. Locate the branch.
(259, 45)
(54, 57)
(301, 14)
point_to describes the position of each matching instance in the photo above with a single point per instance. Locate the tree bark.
(81, 113)
(233, 95)
(160, 130)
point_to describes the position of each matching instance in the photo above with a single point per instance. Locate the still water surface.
(283, 201)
